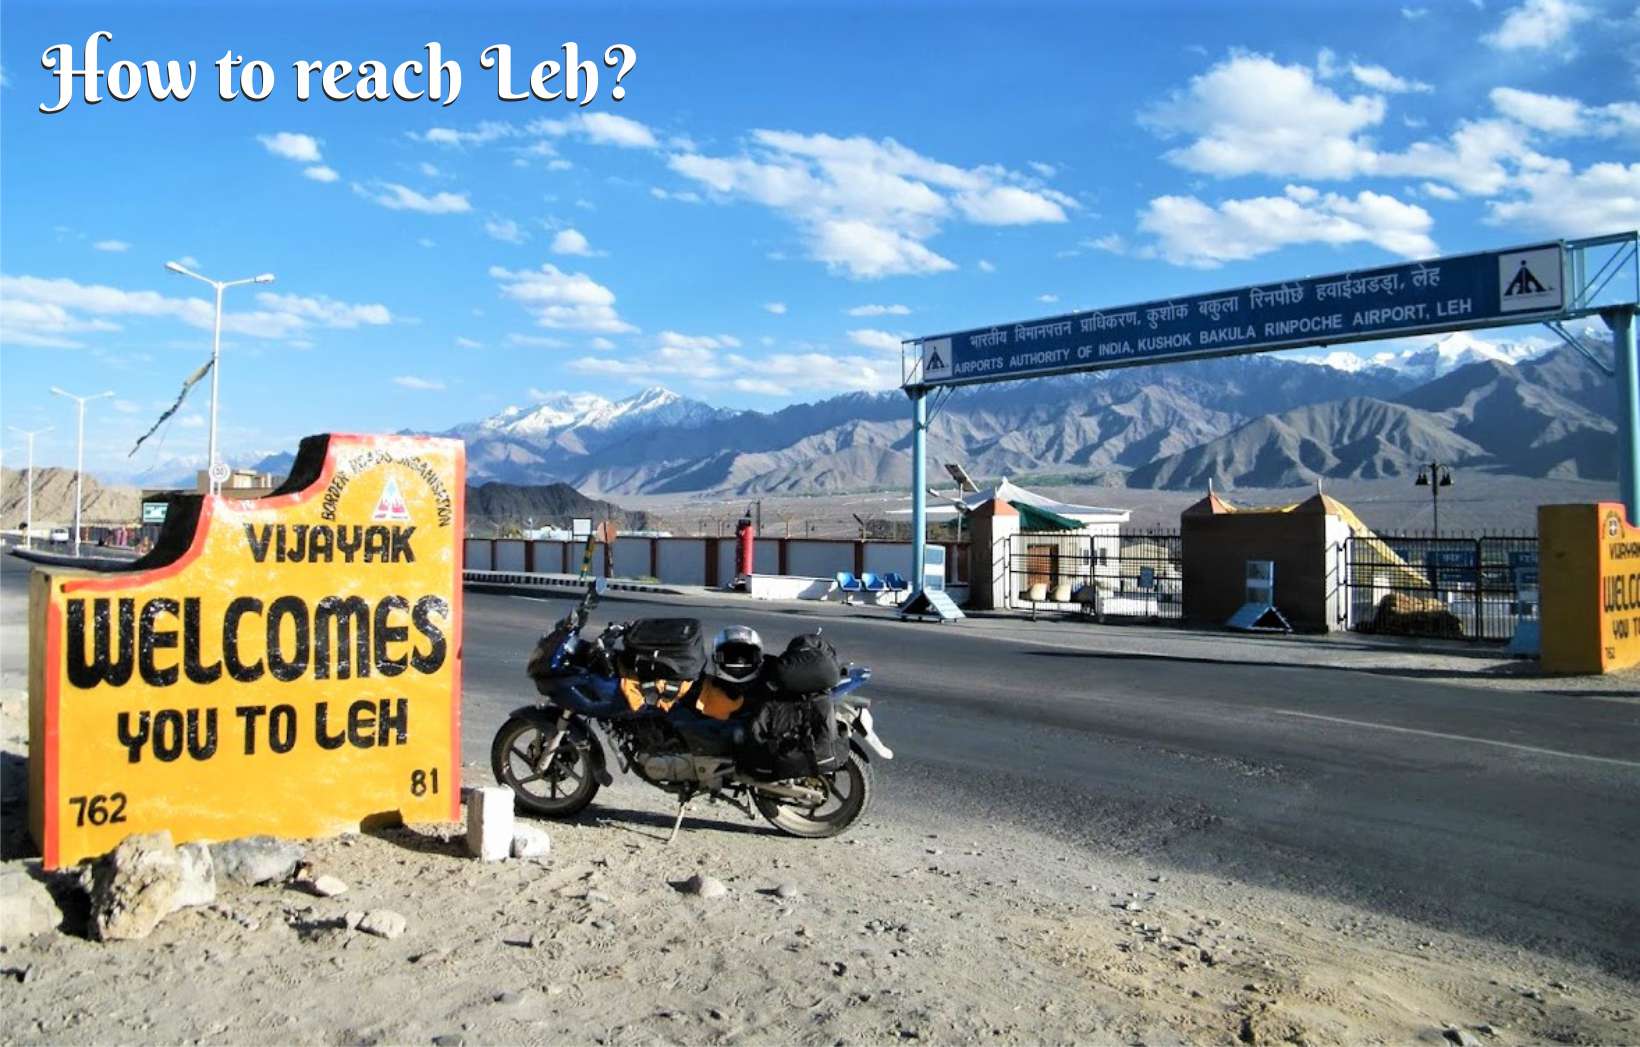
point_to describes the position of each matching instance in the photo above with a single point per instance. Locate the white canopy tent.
(1007, 491)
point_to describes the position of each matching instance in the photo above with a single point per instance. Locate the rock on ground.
(134, 887)
(704, 886)
(530, 842)
(256, 859)
(383, 923)
(327, 886)
(197, 885)
(26, 907)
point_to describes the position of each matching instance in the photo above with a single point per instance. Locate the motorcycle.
(801, 760)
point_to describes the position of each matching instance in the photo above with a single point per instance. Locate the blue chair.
(873, 583)
(849, 585)
(896, 582)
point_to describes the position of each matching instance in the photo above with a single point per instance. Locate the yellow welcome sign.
(287, 665)
(1590, 576)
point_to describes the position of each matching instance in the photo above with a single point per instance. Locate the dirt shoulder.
(928, 928)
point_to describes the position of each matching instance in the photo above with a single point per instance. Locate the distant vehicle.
(59, 534)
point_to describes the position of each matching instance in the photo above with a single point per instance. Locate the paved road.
(1506, 815)
(1510, 816)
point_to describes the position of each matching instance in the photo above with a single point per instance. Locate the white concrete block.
(489, 822)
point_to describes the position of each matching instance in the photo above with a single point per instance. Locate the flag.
(187, 384)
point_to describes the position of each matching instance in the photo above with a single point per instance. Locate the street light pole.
(1436, 477)
(79, 455)
(216, 351)
(28, 496)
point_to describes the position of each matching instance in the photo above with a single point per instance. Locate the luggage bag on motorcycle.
(662, 649)
(792, 737)
(809, 665)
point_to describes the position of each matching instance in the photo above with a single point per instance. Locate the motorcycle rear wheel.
(848, 794)
(561, 789)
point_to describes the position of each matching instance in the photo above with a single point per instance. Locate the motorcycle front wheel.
(560, 789)
(848, 794)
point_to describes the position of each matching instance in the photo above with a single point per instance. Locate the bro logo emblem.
(390, 506)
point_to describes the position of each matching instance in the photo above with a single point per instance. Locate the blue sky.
(784, 192)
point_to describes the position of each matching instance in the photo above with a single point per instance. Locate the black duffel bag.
(809, 665)
(662, 649)
(792, 739)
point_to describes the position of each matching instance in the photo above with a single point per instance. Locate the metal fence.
(1475, 588)
(1130, 575)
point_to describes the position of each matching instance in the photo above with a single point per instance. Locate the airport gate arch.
(1550, 283)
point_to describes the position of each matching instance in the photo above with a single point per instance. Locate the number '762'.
(99, 809)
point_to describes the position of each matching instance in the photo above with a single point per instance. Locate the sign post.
(288, 665)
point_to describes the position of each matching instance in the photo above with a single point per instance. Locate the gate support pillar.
(1621, 321)
(919, 485)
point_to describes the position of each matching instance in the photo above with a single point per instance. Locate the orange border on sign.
(202, 528)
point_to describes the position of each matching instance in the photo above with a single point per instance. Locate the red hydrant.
(745, 547)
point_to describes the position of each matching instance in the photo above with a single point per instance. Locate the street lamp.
(1434, 476)
(79, 455)
(29, 496)
(216, 350)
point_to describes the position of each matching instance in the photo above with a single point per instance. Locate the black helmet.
(737, 652)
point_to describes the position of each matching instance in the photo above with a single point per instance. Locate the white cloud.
(1558, 115)
(448, 137)
(505, 229)
(871, 338)
(127, 406)
(986, 266)
(535, 341)
(1190, 232)
(288, 145)
(866, 251)
(759, 387)
(429, 170)
(1437, 191)
(39, 311)
(572, 242)
(600, 129)
(189, 260)
(564, 301)
(1602, 198)
(410, 381)
(1047, 299)
(191, 421)
(867, 207)
(684, 197)
(323, 311)
(694, 342)
(463, 342)
(1250, 114)
(321, 173)
(1413, 14)
(1380, 79)
(427, 242)
(1045, 170)
(602, 344)
(112, 246)
(1111, 243)
(396, 197)
(1537, 25)
(879, 310)
(775, 308)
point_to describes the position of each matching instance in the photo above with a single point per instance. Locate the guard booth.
(1546, 283)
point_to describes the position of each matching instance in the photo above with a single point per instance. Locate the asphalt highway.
(1510, 816)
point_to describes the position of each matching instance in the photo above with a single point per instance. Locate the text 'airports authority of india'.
(1475, 290)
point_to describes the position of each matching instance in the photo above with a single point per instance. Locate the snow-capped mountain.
(1437, 359)
(587, 413)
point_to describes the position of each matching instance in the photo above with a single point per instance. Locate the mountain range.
(1248, 421)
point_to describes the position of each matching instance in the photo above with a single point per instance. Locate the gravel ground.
(935, 929)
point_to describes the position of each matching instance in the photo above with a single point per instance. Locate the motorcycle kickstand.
(683, 808)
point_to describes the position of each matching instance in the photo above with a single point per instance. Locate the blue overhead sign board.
(1523, 285)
